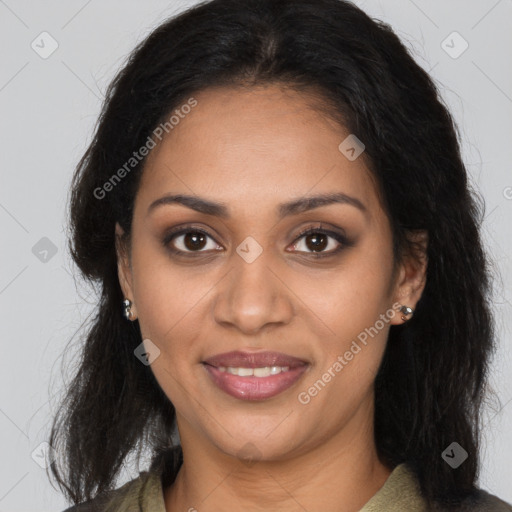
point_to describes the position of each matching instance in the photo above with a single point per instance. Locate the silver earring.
(406, 310)
(127, 303)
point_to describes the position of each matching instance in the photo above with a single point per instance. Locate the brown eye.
(315, 241)
(189, 240)
(194, 240)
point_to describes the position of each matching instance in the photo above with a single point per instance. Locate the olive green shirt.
(400, 493)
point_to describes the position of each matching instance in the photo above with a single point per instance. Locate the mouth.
(254, 376)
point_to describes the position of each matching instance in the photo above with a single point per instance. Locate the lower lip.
(254, 388)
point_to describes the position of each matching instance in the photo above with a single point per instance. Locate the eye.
(189, 239)
(317, 240)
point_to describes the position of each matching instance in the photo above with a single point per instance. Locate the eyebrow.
(293, 207)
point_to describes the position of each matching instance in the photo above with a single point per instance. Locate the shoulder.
(482, 501)
(120, 498)
(403, 481)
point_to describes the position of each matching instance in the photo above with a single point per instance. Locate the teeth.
(262, 372)
(256, 372)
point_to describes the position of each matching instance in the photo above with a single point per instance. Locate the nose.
(253, 296)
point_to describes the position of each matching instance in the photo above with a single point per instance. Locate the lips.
(288, 370)
(254, 360)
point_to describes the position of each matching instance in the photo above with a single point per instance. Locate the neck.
(344, 469)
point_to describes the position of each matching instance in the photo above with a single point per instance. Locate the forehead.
(253, 148)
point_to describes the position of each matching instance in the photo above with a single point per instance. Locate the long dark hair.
(429, 389)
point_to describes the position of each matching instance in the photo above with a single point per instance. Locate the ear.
(124, 269)
(412, 275)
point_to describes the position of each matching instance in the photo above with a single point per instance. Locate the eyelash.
(341, 239)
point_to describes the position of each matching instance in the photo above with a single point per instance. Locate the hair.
(429, 390)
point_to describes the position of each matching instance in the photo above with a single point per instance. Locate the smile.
(257, 372)
(254, 375)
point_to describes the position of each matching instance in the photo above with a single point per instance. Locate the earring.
(406, 310)
(127, 303)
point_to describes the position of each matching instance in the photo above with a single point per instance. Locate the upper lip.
(239, 359)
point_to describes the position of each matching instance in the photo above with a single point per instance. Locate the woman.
(292, 277)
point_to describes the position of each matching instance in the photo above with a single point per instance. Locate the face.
(240, 275)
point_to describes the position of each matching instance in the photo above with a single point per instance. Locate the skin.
(253, 149)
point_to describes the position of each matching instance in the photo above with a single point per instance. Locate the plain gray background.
(48, 110)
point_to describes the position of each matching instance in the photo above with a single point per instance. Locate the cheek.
(344, 377)
(351, 297)
(170, 302)
(170, 312)
(348, 307)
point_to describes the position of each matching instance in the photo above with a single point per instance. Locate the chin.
(252, 445)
